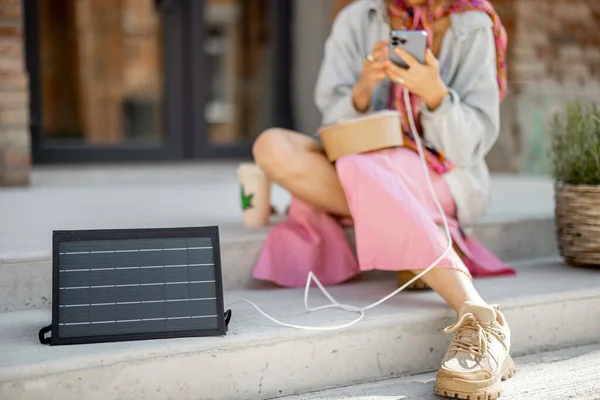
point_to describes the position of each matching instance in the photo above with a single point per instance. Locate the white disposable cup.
(255, 195)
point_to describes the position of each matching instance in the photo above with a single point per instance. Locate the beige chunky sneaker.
(479, 356)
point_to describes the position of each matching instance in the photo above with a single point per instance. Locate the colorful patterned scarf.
(422, 18)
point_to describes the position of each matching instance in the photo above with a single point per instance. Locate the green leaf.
(246, 199)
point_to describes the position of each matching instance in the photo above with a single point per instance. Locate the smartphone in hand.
(413, 42)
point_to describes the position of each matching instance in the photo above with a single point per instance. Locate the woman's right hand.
(374, 71)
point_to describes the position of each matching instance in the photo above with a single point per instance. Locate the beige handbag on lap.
(376, 131)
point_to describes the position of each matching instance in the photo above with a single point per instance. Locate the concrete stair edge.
(540, 376)
(265, 361)
(231, 235)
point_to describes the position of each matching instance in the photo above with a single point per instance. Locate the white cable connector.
(361, 310)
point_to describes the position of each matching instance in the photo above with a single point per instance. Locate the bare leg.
(298, 164)
(453, 286)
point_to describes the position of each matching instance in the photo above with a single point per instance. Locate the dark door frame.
(185, 87)
(172, 146)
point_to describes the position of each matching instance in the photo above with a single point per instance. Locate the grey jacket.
(464, 127)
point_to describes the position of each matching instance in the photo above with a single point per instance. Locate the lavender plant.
(575, 145)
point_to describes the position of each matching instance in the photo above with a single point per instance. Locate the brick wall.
(554, 56)
(14, 118)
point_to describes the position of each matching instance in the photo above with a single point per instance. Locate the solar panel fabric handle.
(42, 334)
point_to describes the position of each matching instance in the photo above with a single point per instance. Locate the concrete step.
(518, 226)
(571, 373)
(545, 306)
(26, 283)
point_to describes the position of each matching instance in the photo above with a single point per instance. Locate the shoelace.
(463, 339)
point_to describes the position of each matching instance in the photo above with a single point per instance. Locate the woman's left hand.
(421, 79)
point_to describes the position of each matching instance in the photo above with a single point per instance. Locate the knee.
(269, 148)
(275, 153)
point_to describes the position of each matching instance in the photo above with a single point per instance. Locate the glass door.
(106, 81)
(241, 73)
(141, 80)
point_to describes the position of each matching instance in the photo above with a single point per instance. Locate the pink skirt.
(395, 221)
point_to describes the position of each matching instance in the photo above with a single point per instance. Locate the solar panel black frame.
(211, 232)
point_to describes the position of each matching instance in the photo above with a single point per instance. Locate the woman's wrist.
(361, 97)
(436, 97)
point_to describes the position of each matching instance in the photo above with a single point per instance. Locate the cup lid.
(249, 168)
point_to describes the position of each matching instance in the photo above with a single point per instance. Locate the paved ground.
(565, 374)
(138, 196)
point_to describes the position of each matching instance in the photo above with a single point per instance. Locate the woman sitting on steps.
(456, 97)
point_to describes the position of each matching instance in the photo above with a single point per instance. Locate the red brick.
(531, 38)
(575, 72)
(16, 158)
(572, 53)
(13, 81)
(532, 10)
(17, 138)
(576, 31)
(10, 12)
(572, 10)
(10, 2)
(505, 9)
(11, 49)
(11, 31)
(18, 117)
(13, 100)
(12, 65)
(547, 52)
(533, 70)
(527, 52)
(14, 177)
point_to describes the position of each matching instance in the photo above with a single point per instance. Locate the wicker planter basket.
(578, 223)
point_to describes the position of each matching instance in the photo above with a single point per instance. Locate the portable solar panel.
(117, 285)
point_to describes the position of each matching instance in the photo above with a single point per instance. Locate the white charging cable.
(361, 310)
